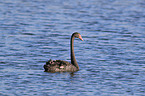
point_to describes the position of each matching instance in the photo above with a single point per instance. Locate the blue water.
(111, 57)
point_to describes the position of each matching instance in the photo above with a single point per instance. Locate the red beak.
(80, 37)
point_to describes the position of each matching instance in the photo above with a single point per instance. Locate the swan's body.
(64, 66)
(59, 66)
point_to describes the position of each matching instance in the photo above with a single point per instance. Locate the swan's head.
(78, 35)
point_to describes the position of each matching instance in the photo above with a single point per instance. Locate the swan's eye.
(77, 36)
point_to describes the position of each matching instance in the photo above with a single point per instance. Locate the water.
(111, 57)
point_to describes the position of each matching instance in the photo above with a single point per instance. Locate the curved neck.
(73, 59)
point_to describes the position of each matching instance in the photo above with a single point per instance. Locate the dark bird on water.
(64, 66)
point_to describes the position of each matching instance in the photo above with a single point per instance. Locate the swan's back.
(59, 66)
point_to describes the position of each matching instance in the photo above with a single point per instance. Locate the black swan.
(64, 66)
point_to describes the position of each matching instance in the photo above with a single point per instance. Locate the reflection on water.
(111, 58)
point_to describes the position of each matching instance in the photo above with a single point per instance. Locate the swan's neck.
(73, 59)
